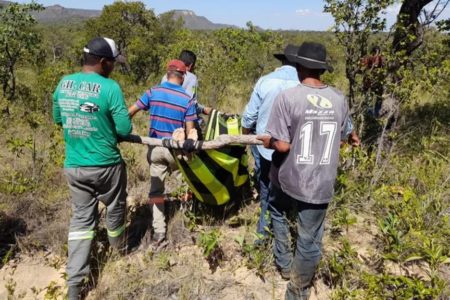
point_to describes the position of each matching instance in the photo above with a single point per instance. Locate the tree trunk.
(12, 87)
(408, 36)
(408, 33)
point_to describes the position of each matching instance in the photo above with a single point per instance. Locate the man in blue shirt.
(190, 84)
(257, 113)
(170, 108)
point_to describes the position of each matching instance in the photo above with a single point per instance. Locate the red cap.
(176, 65)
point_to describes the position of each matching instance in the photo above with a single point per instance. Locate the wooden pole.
(221, 141)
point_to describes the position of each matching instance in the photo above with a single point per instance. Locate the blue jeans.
(256, 156)
(264, 183)
(310, 226)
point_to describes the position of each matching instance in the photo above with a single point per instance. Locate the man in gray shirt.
(305, 127)
(190, 84)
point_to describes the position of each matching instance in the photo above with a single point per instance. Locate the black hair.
(188, 57)
(375, 49)
(286, 62)
(90, 59)
(318, 72)
(310, 72)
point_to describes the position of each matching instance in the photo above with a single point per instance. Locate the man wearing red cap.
(170, 108)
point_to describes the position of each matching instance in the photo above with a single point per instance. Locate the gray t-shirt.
(313, 120)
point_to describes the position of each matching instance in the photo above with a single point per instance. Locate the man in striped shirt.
(170, 107)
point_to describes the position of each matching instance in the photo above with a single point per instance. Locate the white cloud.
(308, 12)
(304, 12)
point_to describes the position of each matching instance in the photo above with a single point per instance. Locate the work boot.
(294, 293)
(74, 292)
(285, 274)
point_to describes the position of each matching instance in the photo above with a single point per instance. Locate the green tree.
(355, 22)
(18, 38)
(122, 21)
(147, 52)
(139, 34)
(444, 26)
(233, 59)
(412, 19)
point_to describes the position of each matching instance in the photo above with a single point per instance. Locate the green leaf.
(413, 258)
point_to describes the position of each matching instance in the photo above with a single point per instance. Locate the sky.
(268, 14)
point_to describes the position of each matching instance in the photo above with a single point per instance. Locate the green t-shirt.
(92, 111)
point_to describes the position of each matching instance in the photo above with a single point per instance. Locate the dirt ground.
(41, 276)
(32, 277)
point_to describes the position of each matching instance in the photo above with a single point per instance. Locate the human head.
(189, 58)
(176, 69)
(375, 50)
(289, 49)
(100, 54)
(311, 56)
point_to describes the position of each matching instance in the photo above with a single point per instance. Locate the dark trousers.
(264, 183)
(310, 227)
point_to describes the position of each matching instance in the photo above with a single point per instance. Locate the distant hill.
(59, 14)
(192, 21)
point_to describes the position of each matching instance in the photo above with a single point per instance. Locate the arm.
(189, 127)
(353, 139)
(281, 146)
(190, 116)
(132, 110)
(246, 130)
(272, 143)
(250, 115)
(142, 103)
(119, 112)
(201, 109)
(348, 133)
(56, 109)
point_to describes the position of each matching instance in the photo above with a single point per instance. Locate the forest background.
(388, 229)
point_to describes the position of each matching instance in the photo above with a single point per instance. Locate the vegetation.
(388, 226)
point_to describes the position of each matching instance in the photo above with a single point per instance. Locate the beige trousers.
(161, 163)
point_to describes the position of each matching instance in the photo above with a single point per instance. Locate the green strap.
(117, 232)
(81, 235)
(210, 130)
(228, 163)
(187, 178)
(233, 126)
(209, 180)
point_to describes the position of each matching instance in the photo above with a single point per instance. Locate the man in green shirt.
(91, 109)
